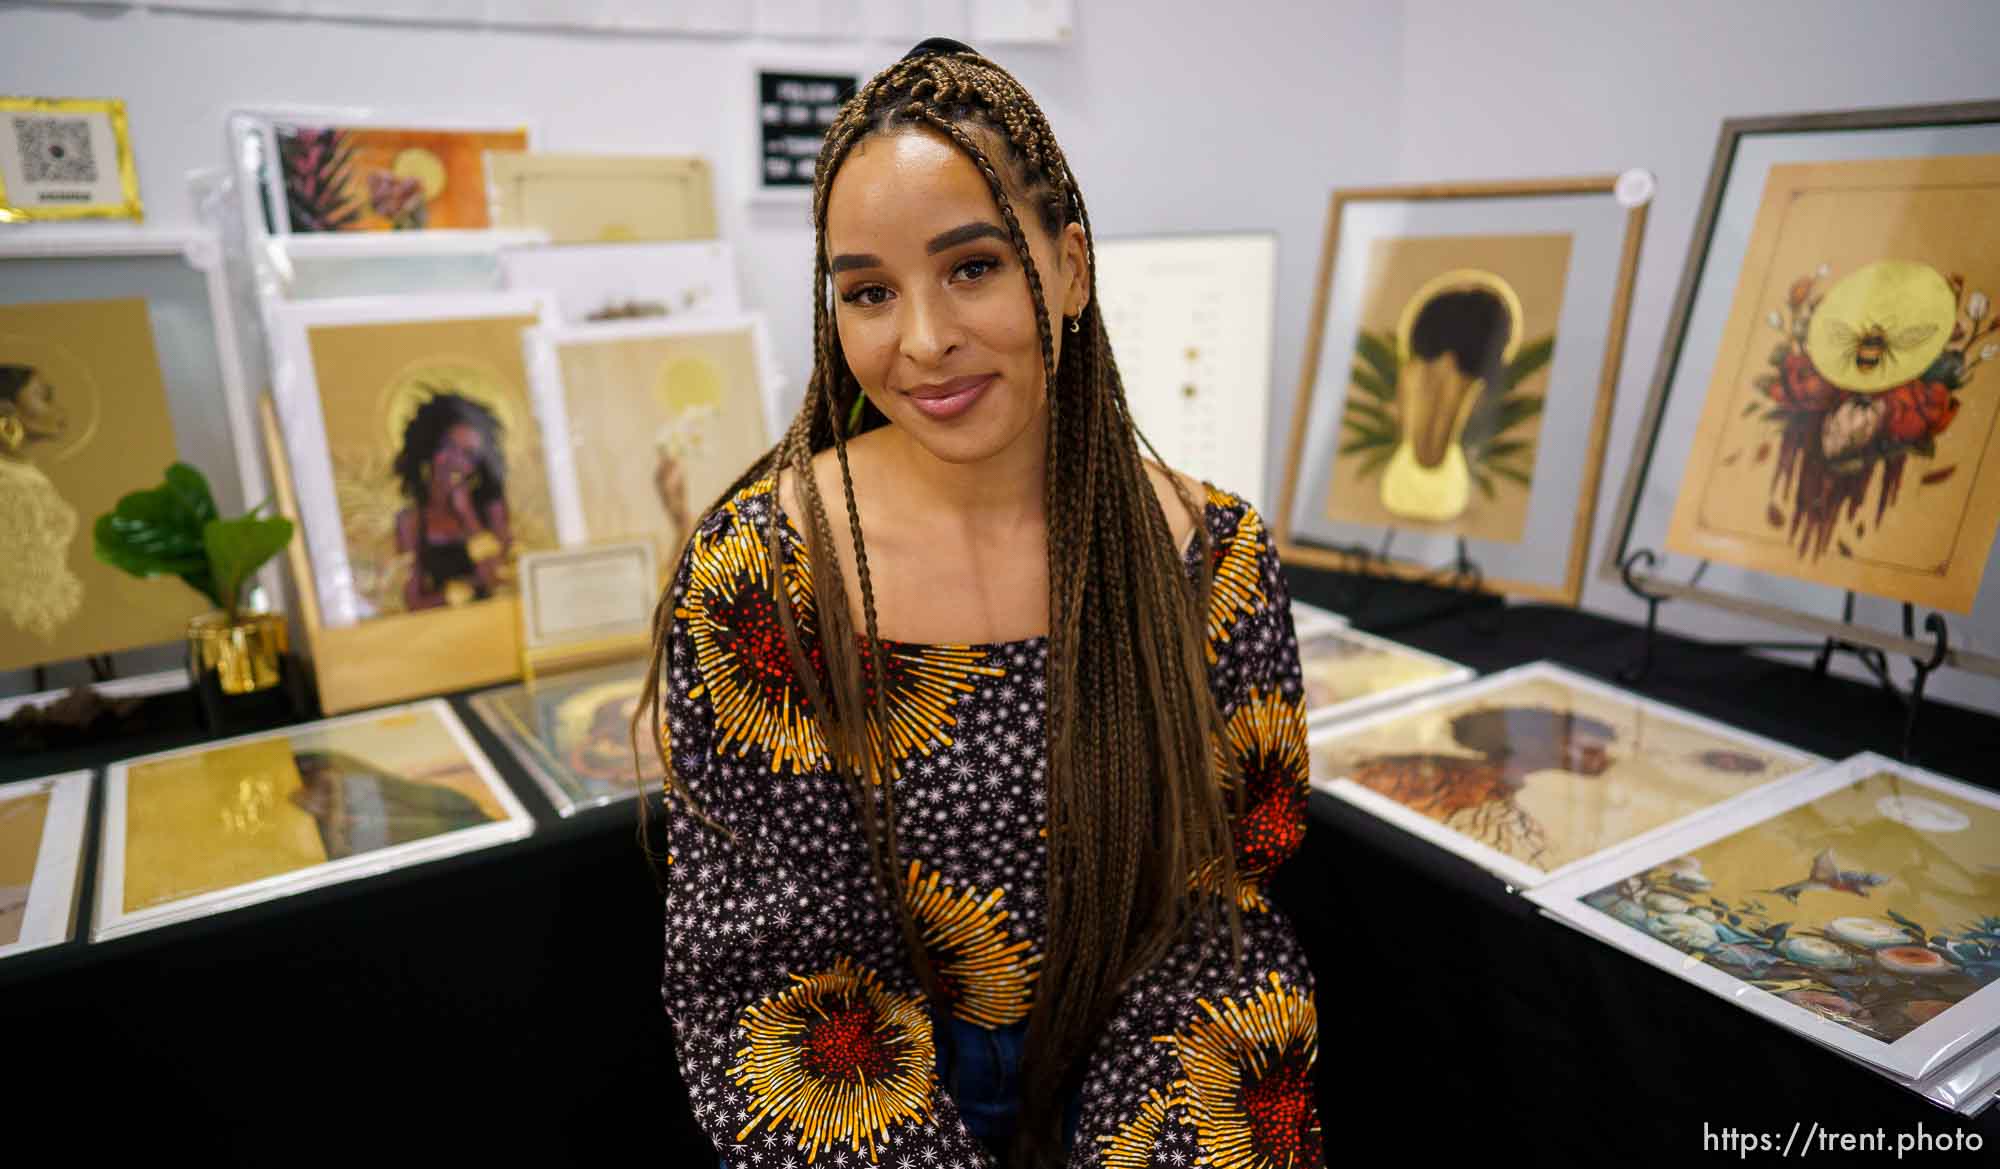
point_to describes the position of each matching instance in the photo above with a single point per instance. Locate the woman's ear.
(1076, 267)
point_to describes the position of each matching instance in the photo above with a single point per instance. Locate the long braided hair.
(1135, 808)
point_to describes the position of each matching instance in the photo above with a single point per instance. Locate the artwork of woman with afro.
(453, 473)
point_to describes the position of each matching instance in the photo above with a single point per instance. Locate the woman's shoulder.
(749, 511)
(1227, 515)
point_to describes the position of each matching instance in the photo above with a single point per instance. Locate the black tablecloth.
(505, 1004)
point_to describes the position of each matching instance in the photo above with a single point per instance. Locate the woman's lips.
(950, 399)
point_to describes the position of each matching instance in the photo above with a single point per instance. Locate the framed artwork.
(413, 446)
(648, 422)
(1821, 422)
(1858, 906)
(223, 825)
(1349, 673)
(117, 357)
(1307, 619)
(1458, 332)
(1190, 320)
(604, 198)
(1534, 770)
(794, 101)
(66, 158)
(336, 173)
(573, 734)
(42, 823)
(618, 282)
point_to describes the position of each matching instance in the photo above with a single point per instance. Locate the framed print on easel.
(1824, 429)
(1459, 332)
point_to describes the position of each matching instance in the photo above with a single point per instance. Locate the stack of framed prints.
(1459, 332)
(619, 282)
(1349, 673)
(1537, 769)
(1858, 906)
(573, 734)
(216, 827)
(603, 198)
(412, 456)
(1190, 319)
(118, 357)
(42, 824)
(1822, 421)
(649, 421)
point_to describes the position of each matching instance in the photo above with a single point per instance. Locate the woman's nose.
(929, 329)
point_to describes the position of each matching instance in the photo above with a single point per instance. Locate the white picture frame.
(1953, 1049)
(543, 349)
(1308, 619)
(48, 917)
(112, 920)
(1515, 872)
(573, 596)
(1449, 674)
(1190, 318)
(296, 394)
(688, 278)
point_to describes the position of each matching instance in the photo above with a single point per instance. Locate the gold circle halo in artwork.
(423, 166)
(688, 383)
(420, 381)
(1462, 280)
(576, 714)
(75, 391)
(1881, 325)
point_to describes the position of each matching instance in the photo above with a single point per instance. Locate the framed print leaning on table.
(1825, 421)
(1459, 332)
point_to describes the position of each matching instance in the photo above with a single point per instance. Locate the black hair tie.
(939, 45)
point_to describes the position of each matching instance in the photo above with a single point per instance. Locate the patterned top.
(801, 1027)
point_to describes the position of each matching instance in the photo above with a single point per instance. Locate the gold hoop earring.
(13, 435)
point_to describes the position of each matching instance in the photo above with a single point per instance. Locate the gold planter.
(245, 656)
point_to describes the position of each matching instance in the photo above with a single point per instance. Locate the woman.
(454, 474)
(980, 786)
(40, 593)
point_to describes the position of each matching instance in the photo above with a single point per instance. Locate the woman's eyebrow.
(964, 235)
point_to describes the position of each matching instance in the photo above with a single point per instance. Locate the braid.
(1134, 805)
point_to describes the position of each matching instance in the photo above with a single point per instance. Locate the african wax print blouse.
(803, 1033)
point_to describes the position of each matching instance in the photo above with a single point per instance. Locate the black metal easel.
(1874, 660)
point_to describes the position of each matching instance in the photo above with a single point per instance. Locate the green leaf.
(1501, 449)
(1368, 443)
(1508, 471)
(1380, 354)
(158, 532)
(1370, 412)
(1371, 384)
(1484, 484)
(1533, 356)
(1376, 460)
(1514, 411)
(238, 548)
(1362, 430)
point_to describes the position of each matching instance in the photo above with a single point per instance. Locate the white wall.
(1531, 88)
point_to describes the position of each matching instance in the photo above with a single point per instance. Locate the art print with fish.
(1442, 418)
(1851, 434)
(1875, 906)
(1538, 768)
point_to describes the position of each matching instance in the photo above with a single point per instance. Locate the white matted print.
(1858, 906)
(1348, 673)
(590, 283)
(1308, 619)
(219, 826)
(1190, 320)
(1536, 769)
(649, 421)
(42, 823)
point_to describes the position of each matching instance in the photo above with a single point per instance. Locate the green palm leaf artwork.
(1371, 424)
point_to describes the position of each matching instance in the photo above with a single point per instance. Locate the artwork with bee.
(1851, 428)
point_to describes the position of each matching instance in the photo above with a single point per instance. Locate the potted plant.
(237, 660)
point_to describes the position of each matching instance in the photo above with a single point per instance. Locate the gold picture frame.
(1615, 250)
(603, 198)
(1750, 151)
(17, 200)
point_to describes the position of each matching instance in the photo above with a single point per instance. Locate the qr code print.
(56, 150)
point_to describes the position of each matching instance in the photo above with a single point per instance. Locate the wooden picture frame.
(1816, 609)
(1621, 233)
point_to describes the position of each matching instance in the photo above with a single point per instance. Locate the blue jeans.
(986, 1084)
